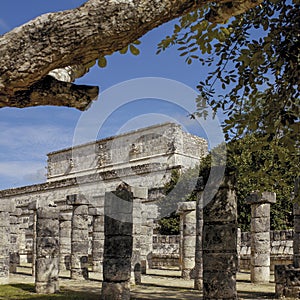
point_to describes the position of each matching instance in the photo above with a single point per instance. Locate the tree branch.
(50, 91)
(75, 38)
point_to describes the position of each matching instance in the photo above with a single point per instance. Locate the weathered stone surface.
(260, 224)
(260, 235)
(76, 199)
(220, 285)
(65, 217)
(198, 271)
(115, 290)
(46, 227)
(223, 207)
(287, 279)
(117, 259)
(4, 247)
(264, 197)
(260, 210)
(7, 206)
(46, 288)
(117, 269)
(47, 269)
(139, 192)
(79, 238)
(219, 236)
(260, 274)
(187, 211)
(115, 226)
(47, 250)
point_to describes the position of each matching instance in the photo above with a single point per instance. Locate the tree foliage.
(254, 59)
(261, 169)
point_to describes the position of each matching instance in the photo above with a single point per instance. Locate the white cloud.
(23, 150)
(19, 142)
(20, 173)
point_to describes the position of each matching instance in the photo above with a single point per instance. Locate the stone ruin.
(89, 215)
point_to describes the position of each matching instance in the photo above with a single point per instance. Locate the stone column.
(139, 194)
(47, 251)
(219, 242)
(33, 207)
(97, 238)
(5, 209)
(198, 280)
(187, 211)
(287, 277)
(260, 235)
(149, 214)
(14, 239)
(65, 225)
(118, 229)
(79, 236)
(239, 245)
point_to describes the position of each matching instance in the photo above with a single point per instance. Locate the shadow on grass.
(256, 295)
(164, 293)
(22, 291)
(164, 275)
(25, 287)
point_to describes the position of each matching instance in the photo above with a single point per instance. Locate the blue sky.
(27, 135)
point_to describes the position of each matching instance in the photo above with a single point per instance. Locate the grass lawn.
(24, 291)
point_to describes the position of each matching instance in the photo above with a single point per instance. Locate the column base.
(47, 287)
(115, 291)
(260, 274)
(79, 274)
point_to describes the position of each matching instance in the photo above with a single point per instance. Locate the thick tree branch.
(50, 91)
(77, 37)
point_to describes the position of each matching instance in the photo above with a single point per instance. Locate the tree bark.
(77, 37)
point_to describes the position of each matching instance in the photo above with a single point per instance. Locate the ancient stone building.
(141, 158)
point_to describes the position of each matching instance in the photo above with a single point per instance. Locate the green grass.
(26, 291)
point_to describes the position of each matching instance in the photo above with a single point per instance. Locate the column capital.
(186, 206)
(264, 197)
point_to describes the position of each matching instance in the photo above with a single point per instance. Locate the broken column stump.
(118, 229)
(260, 235)
(220, 243)
(79, 236)
(47, 250)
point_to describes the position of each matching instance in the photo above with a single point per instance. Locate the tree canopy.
(254, 58)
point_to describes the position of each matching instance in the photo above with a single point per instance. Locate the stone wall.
(166, 249)
(281, 248)
(164, 144)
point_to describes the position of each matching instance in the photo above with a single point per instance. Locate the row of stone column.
(209, 242)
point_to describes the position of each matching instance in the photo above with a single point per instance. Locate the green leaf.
(102, 62)
(124, 50)
(134, 50)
